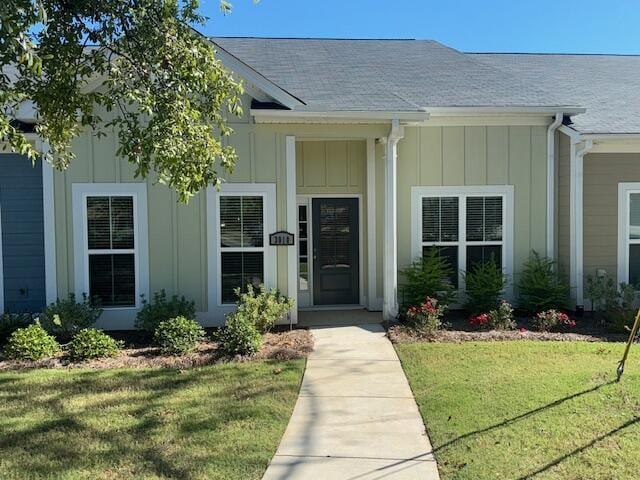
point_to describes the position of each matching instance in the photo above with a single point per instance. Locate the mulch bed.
(404, 334)
(285, 345)
(457, 329)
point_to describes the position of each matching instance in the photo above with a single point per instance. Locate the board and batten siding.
(23, 258)
(177, 232)
(602, 174)
(478, 155)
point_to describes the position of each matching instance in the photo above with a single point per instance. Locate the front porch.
(319, 318)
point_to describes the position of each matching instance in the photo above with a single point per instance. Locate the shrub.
(238, 337)
(500, 318)
(31, 343)
(619, 316)
(484, 285)
(161, 309)
(427, 316)
(428, 276)
(262, 307)
(178, 335)
(66, 317)
(91, 343)
(10, 322)
(601, 290)
(541, 287)
(552, 319)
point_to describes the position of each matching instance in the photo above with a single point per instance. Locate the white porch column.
(292, 224)
(576, 215)
(372, 248)
(390, 256)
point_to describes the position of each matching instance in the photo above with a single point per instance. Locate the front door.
(335, 251)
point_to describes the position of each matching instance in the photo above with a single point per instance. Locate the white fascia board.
(475, 111)
(292, 116)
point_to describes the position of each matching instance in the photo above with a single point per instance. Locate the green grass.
(510, 410)
(215, 422)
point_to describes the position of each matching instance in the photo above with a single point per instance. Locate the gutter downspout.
(390, 257)
(551, 174)
(579, 219)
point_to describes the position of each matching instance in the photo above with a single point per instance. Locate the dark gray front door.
(335, 251)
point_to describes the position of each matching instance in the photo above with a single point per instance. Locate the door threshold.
(331, 307)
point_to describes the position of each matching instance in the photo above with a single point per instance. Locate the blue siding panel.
(22, 233)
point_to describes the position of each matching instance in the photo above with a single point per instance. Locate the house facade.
(369, 152)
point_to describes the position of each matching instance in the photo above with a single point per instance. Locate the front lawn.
(216, 422)
(525, 409)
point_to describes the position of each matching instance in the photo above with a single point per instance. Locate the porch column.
(390, 256)
(292, 224)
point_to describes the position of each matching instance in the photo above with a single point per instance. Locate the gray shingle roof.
(608, 86)
(384, 75)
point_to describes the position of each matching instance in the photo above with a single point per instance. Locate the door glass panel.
(303, 249)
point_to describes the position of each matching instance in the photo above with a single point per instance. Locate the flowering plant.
(500, 318)
(549, 319)
(480, 321)
(427, 316)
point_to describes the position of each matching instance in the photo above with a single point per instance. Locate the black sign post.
(282, 239)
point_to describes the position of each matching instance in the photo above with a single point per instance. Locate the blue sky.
(573, 26)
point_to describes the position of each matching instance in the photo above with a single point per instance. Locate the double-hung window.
(242, 243)
(243, 216)
(629, 234)
(465, 225)
(108, 243)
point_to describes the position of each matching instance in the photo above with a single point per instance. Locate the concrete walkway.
(355, 418)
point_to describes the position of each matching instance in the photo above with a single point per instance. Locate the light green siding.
(477, 155)
(331, 159)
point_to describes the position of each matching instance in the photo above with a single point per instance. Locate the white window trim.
(462, 192)
(268, 192)
(624, 207)
(80, 192)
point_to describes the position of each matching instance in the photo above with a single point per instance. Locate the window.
(466, 225)
(303, 248)
(629, 234)
(241, 244)
(111, 250)
(241, 217)
(110, 240)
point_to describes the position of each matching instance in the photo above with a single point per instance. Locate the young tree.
(135, 66)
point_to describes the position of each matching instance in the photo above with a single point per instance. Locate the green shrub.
(540, 287)
(10, 322)
(178, 335)
(161, 309)
(31, 343)
(66, 317)
(262, 307)
(91, 343)
(428, 276)
(238, 337)
(484, 285)
(603, 294)
(619, 316)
